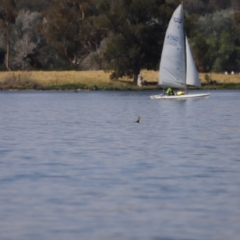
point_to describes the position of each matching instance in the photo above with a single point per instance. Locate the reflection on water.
(77, 166)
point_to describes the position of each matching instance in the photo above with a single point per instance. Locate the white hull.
(162, 96)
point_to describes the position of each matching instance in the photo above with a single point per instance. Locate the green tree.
(200, 50)
(212, 25)
(218, 48)
(7, 19)
(227, 57)
(69, 28)
(31, 5)
(136, 32)
(217, 5)
(195, 6)
(237, 20)
(27, 44)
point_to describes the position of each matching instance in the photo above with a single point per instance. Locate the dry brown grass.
(218, 77)
(152, 76)
(59, 77)
(94, 77)
(221, 78)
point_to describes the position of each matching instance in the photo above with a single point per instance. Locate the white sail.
(192, 73)
(172, 70)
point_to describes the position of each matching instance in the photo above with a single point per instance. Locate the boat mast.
(185, 63)
(185, 52)
(185, 49)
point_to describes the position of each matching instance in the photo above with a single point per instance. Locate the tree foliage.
(27, 42)
(221, 42)
(33, 5)
(136, 31)
(7, 19)
(69, 28)
(123, 35)
(202, 7)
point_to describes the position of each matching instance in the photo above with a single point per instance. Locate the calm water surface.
(77, 166)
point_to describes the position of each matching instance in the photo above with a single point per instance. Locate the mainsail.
(173, 60)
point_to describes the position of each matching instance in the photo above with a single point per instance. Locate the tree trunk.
(7, 59)
(135, 77)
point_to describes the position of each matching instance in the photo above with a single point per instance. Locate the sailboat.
(177, 67)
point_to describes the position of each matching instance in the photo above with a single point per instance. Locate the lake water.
(77, 166)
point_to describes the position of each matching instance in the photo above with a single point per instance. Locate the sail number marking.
(178, 20)
(172, 40)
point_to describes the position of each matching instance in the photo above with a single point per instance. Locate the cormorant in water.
(138, 119)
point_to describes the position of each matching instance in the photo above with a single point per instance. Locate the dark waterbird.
(138, 119)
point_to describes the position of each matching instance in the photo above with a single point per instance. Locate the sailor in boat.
(170, 92)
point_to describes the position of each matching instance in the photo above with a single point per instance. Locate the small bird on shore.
(138, 119)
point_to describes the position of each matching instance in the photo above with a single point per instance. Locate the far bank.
(100, 80)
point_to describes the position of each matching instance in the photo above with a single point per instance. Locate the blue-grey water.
(77, 166)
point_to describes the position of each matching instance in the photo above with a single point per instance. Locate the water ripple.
(77, 166)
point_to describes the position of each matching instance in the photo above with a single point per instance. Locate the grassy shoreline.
(99, 80)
